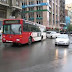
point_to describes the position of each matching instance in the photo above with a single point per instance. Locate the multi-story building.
(45, 12)
(62, 11)
(54, 14)
(68, 8)
(6, 8)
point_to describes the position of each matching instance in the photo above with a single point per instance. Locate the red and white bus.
(22, 31)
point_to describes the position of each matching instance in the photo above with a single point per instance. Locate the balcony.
(50, 11)
(32, 18)
(16, 4)
(39, 18)
(34, 5)
(35, 11)
(50, 5)
(53, 1)
(5, 3)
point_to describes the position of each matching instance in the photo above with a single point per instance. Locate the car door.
(48, 34)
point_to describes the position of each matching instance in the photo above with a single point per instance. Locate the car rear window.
(48, 32)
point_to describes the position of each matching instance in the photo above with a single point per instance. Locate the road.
(38, 57)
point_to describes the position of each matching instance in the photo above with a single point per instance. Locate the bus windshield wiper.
(12, 31)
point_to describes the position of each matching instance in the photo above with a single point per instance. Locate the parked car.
(63, 32)
(71, 33)
(63, 39)
(52, 34)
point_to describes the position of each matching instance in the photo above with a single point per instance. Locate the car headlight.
(56, 41)
(66, 42)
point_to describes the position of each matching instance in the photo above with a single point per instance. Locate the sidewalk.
(0, 39)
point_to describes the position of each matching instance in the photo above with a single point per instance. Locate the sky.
(68, 1)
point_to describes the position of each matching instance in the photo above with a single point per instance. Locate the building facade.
(62, 11)
(54, 14)
(6, 8)
(68, 7)
(45, 12)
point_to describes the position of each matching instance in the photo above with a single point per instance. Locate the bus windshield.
(12, 29)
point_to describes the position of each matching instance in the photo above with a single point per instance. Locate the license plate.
(9, 41)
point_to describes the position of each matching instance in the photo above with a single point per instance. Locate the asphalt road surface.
(38, 57)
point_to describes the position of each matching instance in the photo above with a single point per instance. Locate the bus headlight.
(4, 39)
(17, 39)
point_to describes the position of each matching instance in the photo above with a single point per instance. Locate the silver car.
(63, 39)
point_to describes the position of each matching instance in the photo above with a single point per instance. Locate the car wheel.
(56, 37)
(14, 44)
(46, 37)
(30, 41)
(51, 37)
(55, 44)
(67, 45)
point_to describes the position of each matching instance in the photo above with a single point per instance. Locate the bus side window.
(33, 28)
(44, 30)
(29, 27)
(25, 27)
(38, 30)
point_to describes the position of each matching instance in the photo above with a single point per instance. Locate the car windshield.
(12, 29)
(48, 32)
(63, 36)
(53, 32)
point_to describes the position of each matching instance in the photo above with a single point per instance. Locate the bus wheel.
(14, 44)
(30, 41)
(42, 38)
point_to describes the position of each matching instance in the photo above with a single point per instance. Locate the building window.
(50, 2)
(2, 14)
(25, 2)
(17, 3)
(39, 14)
(31, 15)
(32, 20)
(31, 2)
(39, 7)
(39, 1)
(4, 1)
(56, 9)
(50, 18)
(24, 16)
(39, 22)
(56, 17)
(56, 1)
(31, 9)
(53, 19)
(25, 9)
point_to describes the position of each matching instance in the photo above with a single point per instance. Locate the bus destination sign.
(11, 21)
